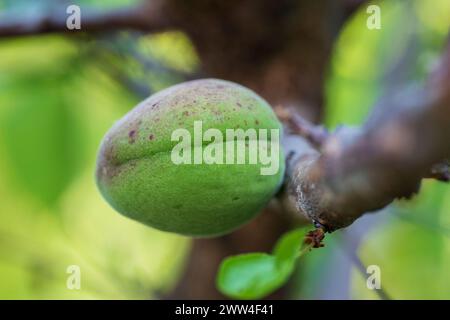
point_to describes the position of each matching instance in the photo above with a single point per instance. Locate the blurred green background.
(59, 95)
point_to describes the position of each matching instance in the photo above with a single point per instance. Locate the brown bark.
(363, 169)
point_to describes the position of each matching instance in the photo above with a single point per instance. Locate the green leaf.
(249, 276)
(287, 248)
(40, 127)
(255, 275)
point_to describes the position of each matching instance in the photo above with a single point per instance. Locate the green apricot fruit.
(137, 174)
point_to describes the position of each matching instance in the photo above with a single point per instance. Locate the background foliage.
(59, 95)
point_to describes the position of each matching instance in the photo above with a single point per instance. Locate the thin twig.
(148, 16)
(382, 294)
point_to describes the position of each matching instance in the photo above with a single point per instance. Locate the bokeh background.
(60, 94)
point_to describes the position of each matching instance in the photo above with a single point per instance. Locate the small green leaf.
(40, 128)
(249, 276)
(255, 275)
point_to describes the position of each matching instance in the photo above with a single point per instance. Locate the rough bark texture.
(363, 169)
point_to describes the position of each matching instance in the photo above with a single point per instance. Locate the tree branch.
(364, 169)
(149, 16)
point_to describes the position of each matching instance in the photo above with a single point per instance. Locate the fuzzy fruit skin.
(136, 176)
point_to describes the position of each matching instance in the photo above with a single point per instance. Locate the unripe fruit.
(137, 176)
